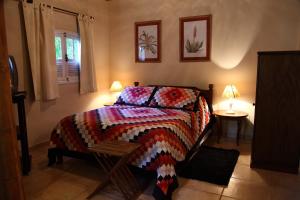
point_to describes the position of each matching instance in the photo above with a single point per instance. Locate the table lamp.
(230, 92)
(116, 86)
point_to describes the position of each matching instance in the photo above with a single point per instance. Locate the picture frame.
(148, 41)
(195, 38)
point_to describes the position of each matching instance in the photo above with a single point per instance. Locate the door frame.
(10, 174)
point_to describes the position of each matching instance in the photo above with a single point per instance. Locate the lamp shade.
(116, 86)
(230, 91)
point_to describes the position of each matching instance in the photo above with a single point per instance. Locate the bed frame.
(55, 155)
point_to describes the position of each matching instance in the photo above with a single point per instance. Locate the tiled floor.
(75, 179)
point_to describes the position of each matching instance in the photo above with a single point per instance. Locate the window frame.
(65, 78)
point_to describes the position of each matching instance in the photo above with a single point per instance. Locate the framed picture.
(147, 41)
(195, 38)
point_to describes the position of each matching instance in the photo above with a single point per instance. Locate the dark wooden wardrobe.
(276, 140)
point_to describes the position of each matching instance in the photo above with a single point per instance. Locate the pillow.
(135, 95)
(174, 97)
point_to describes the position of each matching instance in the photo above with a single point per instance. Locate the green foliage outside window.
(58, 50)
(70, 48)
(76, 50)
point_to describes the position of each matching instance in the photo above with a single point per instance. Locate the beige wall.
(240, 28)
(42, 117)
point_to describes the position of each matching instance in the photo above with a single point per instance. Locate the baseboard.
(37, 146)
(285, 169)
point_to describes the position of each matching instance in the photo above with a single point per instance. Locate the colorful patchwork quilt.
(166, 136)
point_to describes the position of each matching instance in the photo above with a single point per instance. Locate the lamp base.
(230, 112)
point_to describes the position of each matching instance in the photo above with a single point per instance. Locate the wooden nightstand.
(238, 116)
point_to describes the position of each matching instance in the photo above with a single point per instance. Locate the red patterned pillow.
(138, 95)
(174, 97)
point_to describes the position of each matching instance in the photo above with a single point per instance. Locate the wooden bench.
(117, 172)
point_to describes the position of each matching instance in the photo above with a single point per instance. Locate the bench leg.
(118, 174)
(51, 157)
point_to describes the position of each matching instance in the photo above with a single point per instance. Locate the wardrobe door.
(276, 140)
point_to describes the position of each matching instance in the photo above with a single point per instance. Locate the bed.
(169, 122)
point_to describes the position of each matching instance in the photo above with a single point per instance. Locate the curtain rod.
(69, 12)
(65, 11)
(62, 10)
(58, 9)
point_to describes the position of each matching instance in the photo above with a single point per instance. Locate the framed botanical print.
(195, 38)
(147, 41)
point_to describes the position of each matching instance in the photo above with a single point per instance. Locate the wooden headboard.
(206, 93)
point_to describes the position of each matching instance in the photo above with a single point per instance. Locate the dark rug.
(212, 165)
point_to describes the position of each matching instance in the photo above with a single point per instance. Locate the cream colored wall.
(240, 28)
(42, 117)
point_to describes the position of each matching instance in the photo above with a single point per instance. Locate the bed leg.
(51, 156)
(55, 156)
(59, 157)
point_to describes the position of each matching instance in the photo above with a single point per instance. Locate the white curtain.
(47, 53)
(87, 67)
(40, 40)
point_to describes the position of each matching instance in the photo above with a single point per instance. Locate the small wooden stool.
(117, 173)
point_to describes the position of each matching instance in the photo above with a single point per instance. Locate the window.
(67, 49)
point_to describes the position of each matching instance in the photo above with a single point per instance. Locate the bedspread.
(166, 136)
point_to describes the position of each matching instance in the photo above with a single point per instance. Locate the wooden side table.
(238, 116)
(117, 172)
